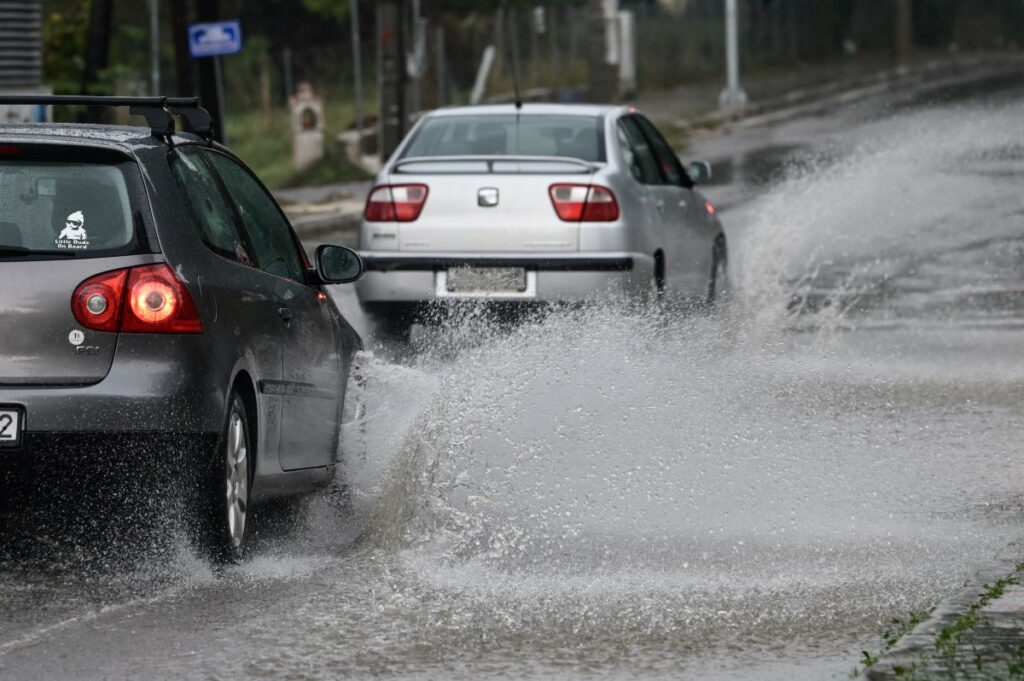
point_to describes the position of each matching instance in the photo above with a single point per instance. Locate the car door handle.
(285, 314)
(682, 204)
(660, 205)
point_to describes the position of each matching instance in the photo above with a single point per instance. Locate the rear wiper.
(14, 251)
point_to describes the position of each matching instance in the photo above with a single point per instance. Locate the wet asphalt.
(747, 494)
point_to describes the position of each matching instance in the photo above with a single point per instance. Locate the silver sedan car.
(535, 203)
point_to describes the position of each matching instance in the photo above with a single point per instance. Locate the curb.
(344, 226)
(916, 653)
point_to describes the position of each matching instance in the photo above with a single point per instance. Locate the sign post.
(733, 98)
(215, 39)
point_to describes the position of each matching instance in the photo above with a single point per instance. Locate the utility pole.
(733, 99)
(391, 74)
(210, 78)
(357, 66)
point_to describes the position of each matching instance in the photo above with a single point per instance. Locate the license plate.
(12, 422)
(486, 279)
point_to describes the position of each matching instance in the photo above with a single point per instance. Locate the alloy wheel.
(237, 478)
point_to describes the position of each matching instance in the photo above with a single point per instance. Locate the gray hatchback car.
(152, 289)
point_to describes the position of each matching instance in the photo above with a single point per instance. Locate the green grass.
(266, 146)
(900, 627)
(948, 640)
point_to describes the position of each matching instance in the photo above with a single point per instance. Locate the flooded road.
(752, 493)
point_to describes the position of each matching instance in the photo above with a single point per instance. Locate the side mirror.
(337, 264)
(700, 172)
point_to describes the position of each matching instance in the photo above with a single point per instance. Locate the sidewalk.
(329, 210)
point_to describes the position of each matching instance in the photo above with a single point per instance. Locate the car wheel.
(228, 485)
(656, 292)
(718, 280)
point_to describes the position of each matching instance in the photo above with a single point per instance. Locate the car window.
(571, 136)
(645, 161)
(629, 158)
(49, 207)
(269, 232)
(668, 162)
(212, 216)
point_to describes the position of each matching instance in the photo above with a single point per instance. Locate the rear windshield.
(579, 137)
(61, 209)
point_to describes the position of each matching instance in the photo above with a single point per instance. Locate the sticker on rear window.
(73, 235)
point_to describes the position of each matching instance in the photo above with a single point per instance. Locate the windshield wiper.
(15, 251)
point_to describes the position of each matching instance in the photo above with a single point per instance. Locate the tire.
(718, 279)
(227, 521)
(392, 321)
(394, 328)
(655, 295)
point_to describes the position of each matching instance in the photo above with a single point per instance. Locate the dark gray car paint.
(37, 323)
(179, 383)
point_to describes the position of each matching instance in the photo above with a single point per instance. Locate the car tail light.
(158, 303)
(709, 208)
(147, 299)
(584, 203)
(96, 302)
(396, 203)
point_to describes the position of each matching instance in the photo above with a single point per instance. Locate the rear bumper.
(413, 277)
(156, 384)
(73, 451)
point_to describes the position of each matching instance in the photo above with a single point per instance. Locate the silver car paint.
(653, 219)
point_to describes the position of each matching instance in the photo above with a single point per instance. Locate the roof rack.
(157, 111)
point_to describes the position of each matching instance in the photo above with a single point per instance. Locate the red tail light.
(584, 203)
(396, 203)
(96, 302)
(156, 302)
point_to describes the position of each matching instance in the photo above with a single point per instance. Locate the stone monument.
(307, 127)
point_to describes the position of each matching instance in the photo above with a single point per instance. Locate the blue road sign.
(212, 39)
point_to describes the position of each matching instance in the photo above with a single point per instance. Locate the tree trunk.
(602, 85)
(184, 82)
(903, 37)
(97, 56)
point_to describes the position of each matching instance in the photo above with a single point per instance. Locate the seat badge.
(487, 197)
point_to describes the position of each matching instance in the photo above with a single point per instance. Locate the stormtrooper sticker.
(73, 235)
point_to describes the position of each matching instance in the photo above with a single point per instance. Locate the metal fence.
(676, 42)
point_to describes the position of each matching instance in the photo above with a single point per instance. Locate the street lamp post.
(733, 99)
(357, 66)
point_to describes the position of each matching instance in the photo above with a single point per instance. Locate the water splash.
(696, 486)
(921, 217)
